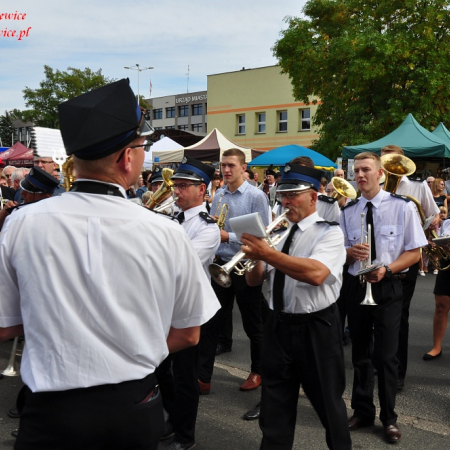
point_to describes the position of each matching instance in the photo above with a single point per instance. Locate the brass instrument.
(366, 239)
(69, 176)
(342, 188)
(162, 192)
(164, 206)
(10, 370)
(222, 216)
(221, 274)
(395, 166)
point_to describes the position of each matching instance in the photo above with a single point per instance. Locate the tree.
(369, 63)
(57, 87)
(6, 129)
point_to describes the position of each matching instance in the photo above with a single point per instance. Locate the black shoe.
(14, 413)
(428, 357)
(222, 349)
(355, 423)
(253, 413)
(168, 431)
(14, 433)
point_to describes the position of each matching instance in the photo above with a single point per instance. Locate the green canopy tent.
(441, 132)
(415, 140)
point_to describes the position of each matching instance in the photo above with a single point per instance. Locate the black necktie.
(369, 221)
(278, 281)
(180, 217)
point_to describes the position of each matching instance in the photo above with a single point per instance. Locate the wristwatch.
(388, 273)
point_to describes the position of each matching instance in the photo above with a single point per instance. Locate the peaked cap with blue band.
(102, 121)
(37, 181)
(296, 177)
(192, 169)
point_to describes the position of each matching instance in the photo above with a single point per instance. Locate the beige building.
(255, 108)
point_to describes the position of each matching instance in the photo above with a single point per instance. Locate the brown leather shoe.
(392, 433)
(253, 381)
(205, 388)
(355, 423)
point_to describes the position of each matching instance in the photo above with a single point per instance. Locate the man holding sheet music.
(302, 343)
(241, 198)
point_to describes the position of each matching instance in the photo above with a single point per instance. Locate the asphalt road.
(423, 406)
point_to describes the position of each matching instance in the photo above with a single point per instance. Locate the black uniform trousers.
(178, 380)
(308, 354)
(249, 300)
(376, 326)
(107, 417)
(408, 286)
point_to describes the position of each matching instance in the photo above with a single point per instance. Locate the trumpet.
(165, 206)
(366, 239)
(222, 213)
(221, 274)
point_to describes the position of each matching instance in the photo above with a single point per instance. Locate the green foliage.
(370, 63)
(57, 87)
(6, 129)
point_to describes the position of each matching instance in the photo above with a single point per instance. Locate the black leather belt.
(307, 317)
(398, 276)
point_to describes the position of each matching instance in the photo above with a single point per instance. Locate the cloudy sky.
(209, 36)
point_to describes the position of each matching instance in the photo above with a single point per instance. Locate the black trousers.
(376, 326)
(177, 377)
(310, 355)
(408, 286)
(249, 300)
(108, 417)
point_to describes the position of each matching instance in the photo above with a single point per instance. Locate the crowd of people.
(111, 353)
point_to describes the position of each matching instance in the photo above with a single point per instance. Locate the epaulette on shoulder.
(403, 197)
(326, 221)
(418, 179)
(206, 217)
(326, 199)
(347, 205)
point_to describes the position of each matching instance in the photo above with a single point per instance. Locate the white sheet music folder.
(250, 223)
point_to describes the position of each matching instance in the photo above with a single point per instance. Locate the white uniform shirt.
(321, 242)
(444, 229)
(397, 227)
(97, 282)
(328, 210)
(421, 192)
(205, 237)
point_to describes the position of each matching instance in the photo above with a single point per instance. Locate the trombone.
(221, 274)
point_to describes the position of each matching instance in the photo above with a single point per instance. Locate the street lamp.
(139, 69)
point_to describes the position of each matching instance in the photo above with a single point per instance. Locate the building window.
(282, 121)
(197, 109)
(305, 119)
(197, 127)
(157, 114)
(171, 127)
(241, 124)
(183, 127)
(170, 112)
(183, 111)
(261, 122)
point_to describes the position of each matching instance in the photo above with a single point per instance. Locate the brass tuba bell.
(342, 188)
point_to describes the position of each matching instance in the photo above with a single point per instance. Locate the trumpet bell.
(220, 275)
(395, 167)
(342, 188)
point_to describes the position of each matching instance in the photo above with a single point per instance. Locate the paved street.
(423, 406)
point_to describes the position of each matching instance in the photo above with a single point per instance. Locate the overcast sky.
(209, 36)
